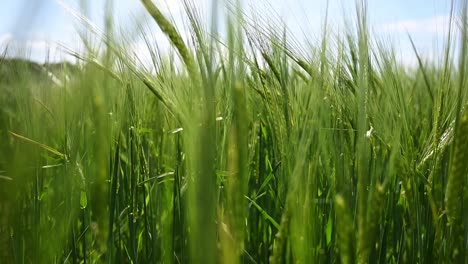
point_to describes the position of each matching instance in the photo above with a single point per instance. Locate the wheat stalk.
(171, 32)
(456, 186)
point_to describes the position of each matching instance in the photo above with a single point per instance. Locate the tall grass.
(252, 150)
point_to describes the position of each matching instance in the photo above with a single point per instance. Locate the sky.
(39, 28)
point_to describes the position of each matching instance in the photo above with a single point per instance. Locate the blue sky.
(41, 25)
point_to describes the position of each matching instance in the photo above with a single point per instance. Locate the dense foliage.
(247, 150)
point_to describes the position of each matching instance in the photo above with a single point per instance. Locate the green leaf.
(83, 200)
(328, 230)
(49, 149)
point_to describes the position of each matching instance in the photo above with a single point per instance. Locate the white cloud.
(5, 38)
(432, 25)
(36, 49)
(171, 6)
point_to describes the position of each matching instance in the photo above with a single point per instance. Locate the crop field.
(241, 147)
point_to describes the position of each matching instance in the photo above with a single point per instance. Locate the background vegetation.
(243, 149)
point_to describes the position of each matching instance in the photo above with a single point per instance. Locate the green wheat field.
(244, 148)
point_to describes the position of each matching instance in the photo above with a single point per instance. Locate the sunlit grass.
(247, 151)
